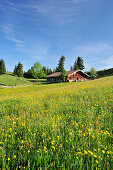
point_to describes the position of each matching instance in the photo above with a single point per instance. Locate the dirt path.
(14, 86)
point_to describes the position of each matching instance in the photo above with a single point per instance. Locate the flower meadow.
(57, 126)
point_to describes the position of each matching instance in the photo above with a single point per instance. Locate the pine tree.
(45, 70)
(50, 71)
(75, 67)
(53, 71)
(56, 70)
(61, 64)
(63, 75)
(15, 70)
(19, 70)
(71, 68)
(80, 63)
(2, 67)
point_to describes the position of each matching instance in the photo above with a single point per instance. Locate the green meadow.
(9, 79)
(57, 126)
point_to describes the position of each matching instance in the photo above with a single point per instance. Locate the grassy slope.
(62, 126)
(9, 80)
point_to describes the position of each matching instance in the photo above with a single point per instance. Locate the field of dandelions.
(57, 126)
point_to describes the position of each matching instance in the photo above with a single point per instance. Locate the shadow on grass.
(2, 84)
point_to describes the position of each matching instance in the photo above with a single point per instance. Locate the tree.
(19, 70)
(61, 64)
(75, 67)
(56, 70)
(37, 70)
(80, 63)
(15, 70)
(45, 70)
(63, 75)
(53, 71)
(28, 74)
(2, 67)
(71, 68)
(93, 73)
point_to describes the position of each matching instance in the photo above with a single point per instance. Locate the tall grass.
(58, 126)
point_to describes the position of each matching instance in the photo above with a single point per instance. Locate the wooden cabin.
(74, 75)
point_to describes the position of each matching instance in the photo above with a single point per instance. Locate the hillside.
(57, 126)
(103, 73)
(8, 80)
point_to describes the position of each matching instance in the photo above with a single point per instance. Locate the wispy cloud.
(63, 11)
(94, 48)
(95, 55)
(107, 63)
(8, 31)
(59, 12)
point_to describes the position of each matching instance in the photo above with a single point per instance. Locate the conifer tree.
(71, 68)
(80, 63)
(75, 67)
(63, 75)
(19, 70)
(15, 70)
(45, 70)
(61, 64)
(53, 71)
(2, 67)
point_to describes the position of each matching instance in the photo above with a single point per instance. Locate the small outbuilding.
(74, 75)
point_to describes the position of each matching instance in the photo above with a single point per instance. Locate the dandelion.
(53, 148)
(90, 152)
(95, 156)
(103, 151)
(14, 156)
(85, 152)
(96, 161)
(53, 142)
(58, 137)
(8, 159)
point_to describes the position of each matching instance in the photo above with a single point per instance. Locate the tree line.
(39, 71)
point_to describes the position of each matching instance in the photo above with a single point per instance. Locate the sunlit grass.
(10, 79)
(62, 126)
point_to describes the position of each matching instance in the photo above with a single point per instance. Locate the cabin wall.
(76, 77)
(53, 79)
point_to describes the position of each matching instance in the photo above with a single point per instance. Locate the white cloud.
(59, 12)
(94, 48)
(107, 63)
(8, 31)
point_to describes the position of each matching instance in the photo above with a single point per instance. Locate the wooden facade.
(71, 76)
(77, 76)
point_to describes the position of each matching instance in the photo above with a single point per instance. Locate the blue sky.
(43, 30)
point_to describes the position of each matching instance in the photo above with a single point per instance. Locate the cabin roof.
(57, 74)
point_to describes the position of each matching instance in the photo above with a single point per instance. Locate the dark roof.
(57, 74)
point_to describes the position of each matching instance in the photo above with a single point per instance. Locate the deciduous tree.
(93, 73)
(37, 71)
